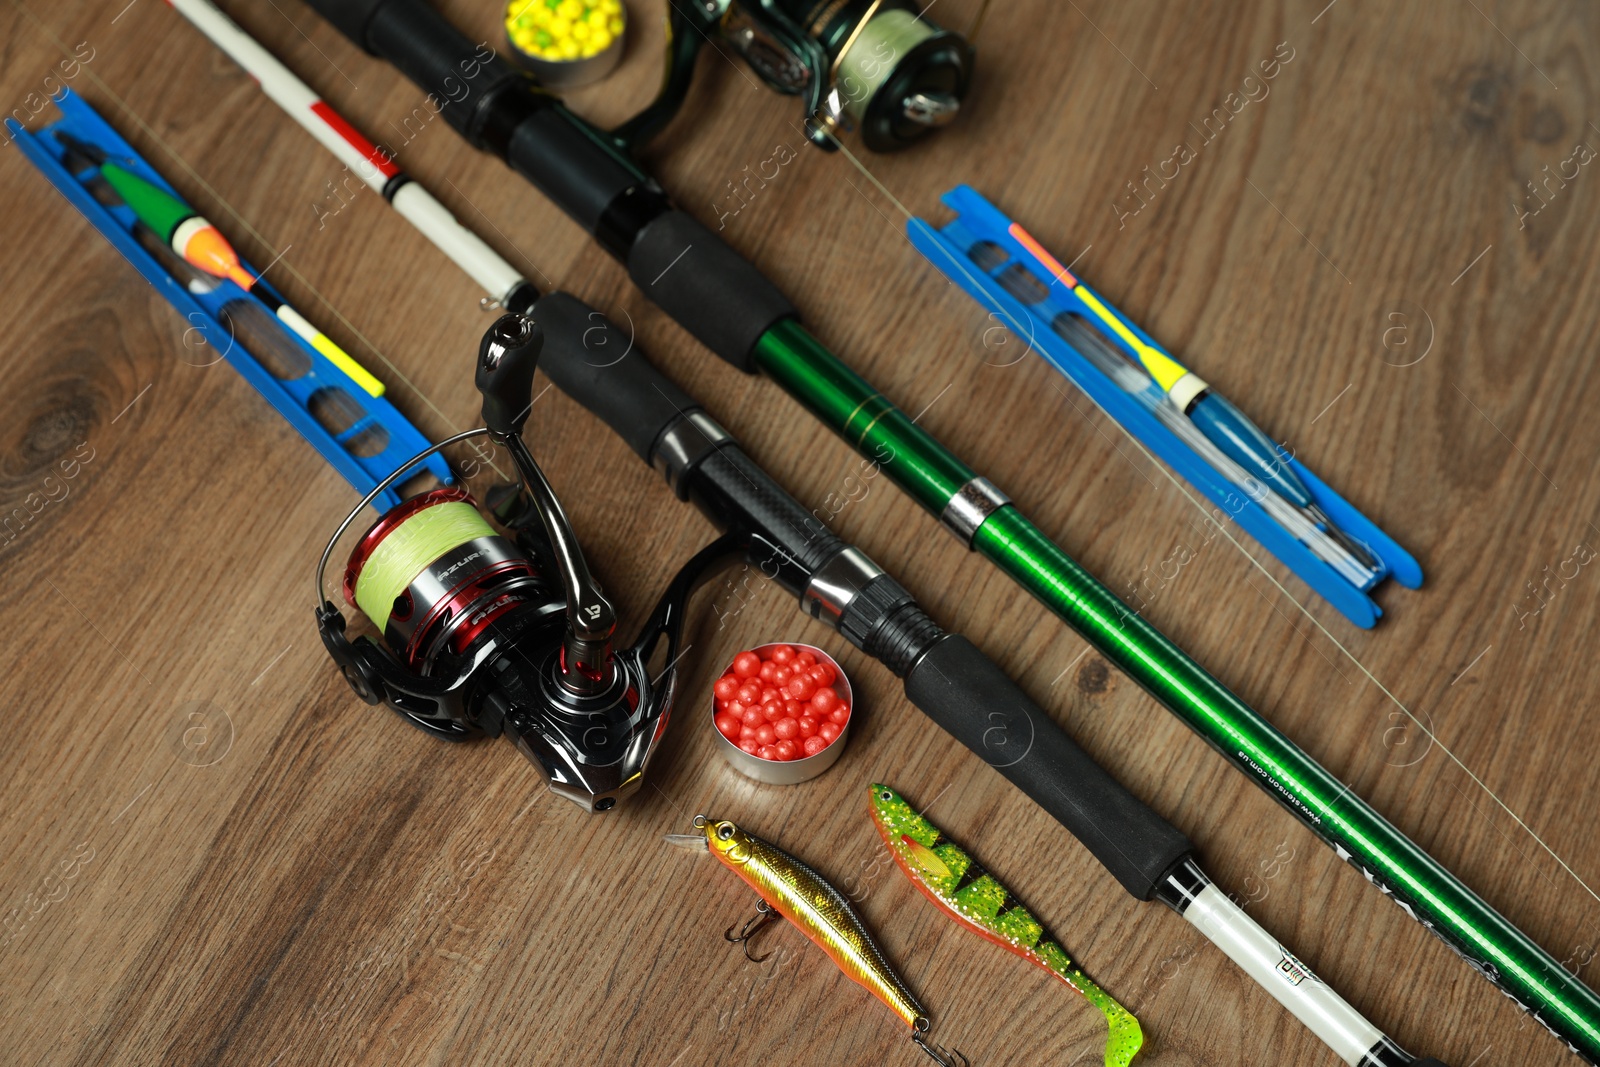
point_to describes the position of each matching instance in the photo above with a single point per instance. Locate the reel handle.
(507, 358)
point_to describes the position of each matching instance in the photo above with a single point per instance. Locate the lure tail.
(1124, 1036)
(962, 889)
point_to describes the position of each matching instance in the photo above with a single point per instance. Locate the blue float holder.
(204, 310)
(978, 221)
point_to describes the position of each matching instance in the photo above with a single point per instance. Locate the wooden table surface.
(213, 853)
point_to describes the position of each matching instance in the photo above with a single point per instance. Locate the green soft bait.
(975, 899)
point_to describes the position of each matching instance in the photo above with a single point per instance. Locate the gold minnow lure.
(791, 890)
(969, 894)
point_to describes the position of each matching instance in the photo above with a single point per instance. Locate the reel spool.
(896, 75)
(873, 63)
(432, 574)
(480, 640)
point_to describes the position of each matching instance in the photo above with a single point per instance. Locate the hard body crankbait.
(791, 890)
(971, 895)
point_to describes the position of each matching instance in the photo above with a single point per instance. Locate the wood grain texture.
(335, 888)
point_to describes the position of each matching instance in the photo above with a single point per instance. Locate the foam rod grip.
(971, 698)
(458, 71)
(596, 364)
(711, 290)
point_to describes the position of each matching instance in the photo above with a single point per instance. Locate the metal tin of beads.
(790, 772)
(566, 43)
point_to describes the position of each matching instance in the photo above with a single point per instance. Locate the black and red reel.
(484, 633)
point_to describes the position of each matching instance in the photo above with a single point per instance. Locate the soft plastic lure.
(973, 897)
(791, 890)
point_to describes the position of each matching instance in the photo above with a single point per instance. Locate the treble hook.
(937, 1053)
(754, 925)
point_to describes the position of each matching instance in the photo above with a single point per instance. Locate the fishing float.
(1097, 349)
(366, 437)
(375, 166)
(200, 244)
(1194, 399)
(729, 306)
(1173, 413)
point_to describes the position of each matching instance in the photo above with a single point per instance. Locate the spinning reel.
(873, 63)
(483, 635)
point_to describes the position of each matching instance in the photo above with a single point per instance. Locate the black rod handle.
(973, 700)
(501, 110)
(593, 361)
(427, 49)
(716, 294)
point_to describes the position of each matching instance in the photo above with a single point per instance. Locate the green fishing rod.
(727, 304)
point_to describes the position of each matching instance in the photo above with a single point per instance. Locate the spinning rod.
(945, 675)
(727, 304)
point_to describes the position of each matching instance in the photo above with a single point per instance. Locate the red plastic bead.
(780, 704)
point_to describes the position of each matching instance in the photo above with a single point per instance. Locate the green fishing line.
(407, 549)
(871, 57)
